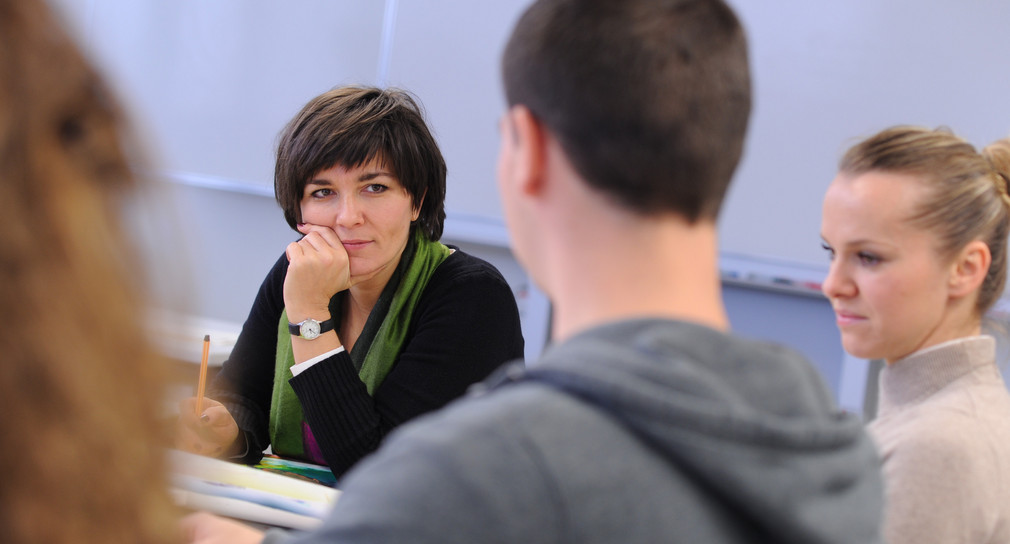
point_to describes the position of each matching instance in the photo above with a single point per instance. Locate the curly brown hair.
(80, 388)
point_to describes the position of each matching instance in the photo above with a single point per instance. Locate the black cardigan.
(465, 325)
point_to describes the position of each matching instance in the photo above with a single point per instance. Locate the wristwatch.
(310, 329)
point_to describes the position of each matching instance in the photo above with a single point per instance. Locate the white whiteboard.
(828, 72)
(216, 80)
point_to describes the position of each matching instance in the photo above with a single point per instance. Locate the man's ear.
(969, 268)
(529, 159)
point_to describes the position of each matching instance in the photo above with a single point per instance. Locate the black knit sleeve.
(466, 324)
(245, 382)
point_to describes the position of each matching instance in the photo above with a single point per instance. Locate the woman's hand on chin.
(318, 269)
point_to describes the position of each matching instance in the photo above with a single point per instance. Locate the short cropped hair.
(649, 99)
(351, 126)
(966, 191)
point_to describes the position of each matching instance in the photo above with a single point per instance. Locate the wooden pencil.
(201, 386)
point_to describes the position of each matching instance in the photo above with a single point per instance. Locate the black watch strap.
(307, 329)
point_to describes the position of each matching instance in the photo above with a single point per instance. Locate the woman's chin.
(861, 351)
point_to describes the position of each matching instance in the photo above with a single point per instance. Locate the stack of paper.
(247, 493)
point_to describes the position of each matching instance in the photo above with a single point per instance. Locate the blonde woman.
(916, 225)
(80, 389)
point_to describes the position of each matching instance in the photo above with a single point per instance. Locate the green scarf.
(377, 348)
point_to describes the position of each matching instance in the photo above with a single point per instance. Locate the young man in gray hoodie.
(646, 420)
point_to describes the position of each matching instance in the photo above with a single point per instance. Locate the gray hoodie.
(639, 431)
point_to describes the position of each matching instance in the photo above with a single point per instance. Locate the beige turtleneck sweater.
(943, 430)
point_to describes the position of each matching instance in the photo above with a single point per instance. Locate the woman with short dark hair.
(368, 320)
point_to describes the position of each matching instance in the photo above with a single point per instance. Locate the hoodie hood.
(751, 420)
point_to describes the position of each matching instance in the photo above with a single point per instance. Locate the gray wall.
(215, 81)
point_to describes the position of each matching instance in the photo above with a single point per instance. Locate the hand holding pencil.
(205, 426)
(212, 432)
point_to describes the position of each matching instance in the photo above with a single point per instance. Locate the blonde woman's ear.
(969, 268)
